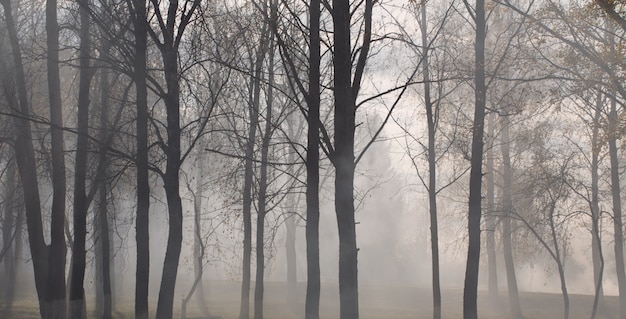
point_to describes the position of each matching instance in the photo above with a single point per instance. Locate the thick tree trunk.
(104, 304)
(490, 216)
(432, 169)
(470, 290)
(343, 161)
(56, 263)
(143, 187)
(51, 298)
(507, 208)
(312, 303)
(81, 205)
(171, 180)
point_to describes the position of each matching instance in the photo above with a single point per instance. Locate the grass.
(376, 301)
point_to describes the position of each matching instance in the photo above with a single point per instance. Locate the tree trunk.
(432, 169)
(51, 298)
(345, 92)
(9, 232)
(470, 290)
(507, 208)
(77, 290)
(244, 310)
(143, 187)
(171, 178)
(313, 286)
(596, 243)
(198, 244)
(343, 160)
(262, 200)
(617, 209)
(490, 216)
(102, 219)
(559, 264)
(56, 263)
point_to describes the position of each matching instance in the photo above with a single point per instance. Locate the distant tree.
(547, 190)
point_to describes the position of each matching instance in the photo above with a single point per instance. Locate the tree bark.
(51, 298)
(81, 205)
(142, 237)
(343, 160)
(171, 180)
(313, 287)
(345, 92)
(507, 208)
(470, 290)
(104, 291)
(56, 263)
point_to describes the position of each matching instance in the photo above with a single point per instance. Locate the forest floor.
(376, 302)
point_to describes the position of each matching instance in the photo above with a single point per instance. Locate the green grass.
(376, 301)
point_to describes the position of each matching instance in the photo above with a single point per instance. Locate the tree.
(81, 203)
(168, 43)
(253, 110)
(313, 287)
(470, 291)
(48, 260)
(142, 271)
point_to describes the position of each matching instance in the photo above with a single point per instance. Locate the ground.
(376, 301)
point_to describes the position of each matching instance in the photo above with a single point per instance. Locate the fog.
(159, 158)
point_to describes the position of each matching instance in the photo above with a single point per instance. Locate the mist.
(284, 159)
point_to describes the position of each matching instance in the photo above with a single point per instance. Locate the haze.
(312, 159)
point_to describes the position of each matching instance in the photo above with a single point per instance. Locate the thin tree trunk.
(491, 217)
(617, 209)
(143, 187)
(262, 200)
(596, 243)
(244, 310)
(470, 290)
(313, 286)
(198, 245)
(507, 207)
(77, 290)
(559, 264)
(432, 168)
(9, 232)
